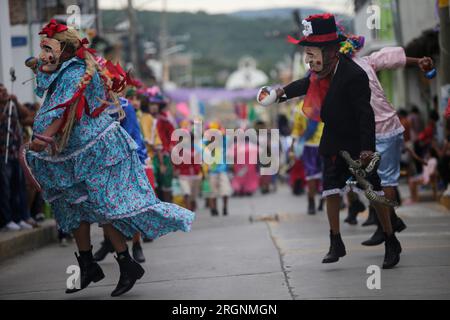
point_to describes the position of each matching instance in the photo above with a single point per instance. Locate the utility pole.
(134, 44)
(98, 18)
(163, 37)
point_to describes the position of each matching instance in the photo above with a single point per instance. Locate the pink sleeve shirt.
(387, 122)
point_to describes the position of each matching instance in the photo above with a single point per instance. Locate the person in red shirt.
(426, 136)
(162, 162)
(189, 172)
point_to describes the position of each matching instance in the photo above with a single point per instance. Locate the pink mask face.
(314, 57)
(50, 53)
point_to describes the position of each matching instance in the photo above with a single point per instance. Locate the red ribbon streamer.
(80, 53)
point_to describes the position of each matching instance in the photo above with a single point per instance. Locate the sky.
(226, 6)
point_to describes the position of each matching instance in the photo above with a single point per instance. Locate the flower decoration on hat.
(308, 28)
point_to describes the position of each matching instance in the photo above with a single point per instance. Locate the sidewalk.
(234, 258)
(13, 243)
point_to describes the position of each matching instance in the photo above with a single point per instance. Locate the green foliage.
(216, 41)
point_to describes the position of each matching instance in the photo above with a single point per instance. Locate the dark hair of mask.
(68, 51)
(333, 48)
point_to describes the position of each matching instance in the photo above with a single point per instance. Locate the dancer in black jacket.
(337, 92)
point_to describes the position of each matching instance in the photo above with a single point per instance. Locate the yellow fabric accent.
(444, 3)
(151, 136)
(300, 124)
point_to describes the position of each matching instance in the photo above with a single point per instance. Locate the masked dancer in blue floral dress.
(93, 173)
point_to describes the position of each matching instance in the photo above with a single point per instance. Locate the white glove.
(267, 96)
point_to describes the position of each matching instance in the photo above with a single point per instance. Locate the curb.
(445, 201)
(13, 243)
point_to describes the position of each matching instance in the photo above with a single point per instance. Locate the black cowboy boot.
(130, 272)
(311, 206)
(337, 249)
(378, 237)
(105, 248)
(90, 271)
(138, 254)
(372, 219)
(397, 223)
(354, 208)
(392, 251)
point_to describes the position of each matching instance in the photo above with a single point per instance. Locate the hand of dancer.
(163, 168)
(268, 96)
(366, 157)
(426, 64)
(38, 145)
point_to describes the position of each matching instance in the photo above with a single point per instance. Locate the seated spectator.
(425, 138)
(428, 177)
(444, 160)
(13, 199)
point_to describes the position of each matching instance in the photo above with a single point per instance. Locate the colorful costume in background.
(219, 182)
(308, 133)
(190, 174)
(152, 140)
(97, 176)
(164, 128)
(246, 176)
(131, 125)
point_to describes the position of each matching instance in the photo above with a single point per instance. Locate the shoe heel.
(140, 273)
(98, 276)
(401, 228)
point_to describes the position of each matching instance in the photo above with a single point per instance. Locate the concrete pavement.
(232, 258)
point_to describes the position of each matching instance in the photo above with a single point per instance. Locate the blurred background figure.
(15, 213)
(246, 178)
(217, 172)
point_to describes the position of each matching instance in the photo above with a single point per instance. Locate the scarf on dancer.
(319, 83)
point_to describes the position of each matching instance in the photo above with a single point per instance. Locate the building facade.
(400, 23)
(20, 22)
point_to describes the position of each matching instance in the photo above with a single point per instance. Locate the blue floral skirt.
(104, 182)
